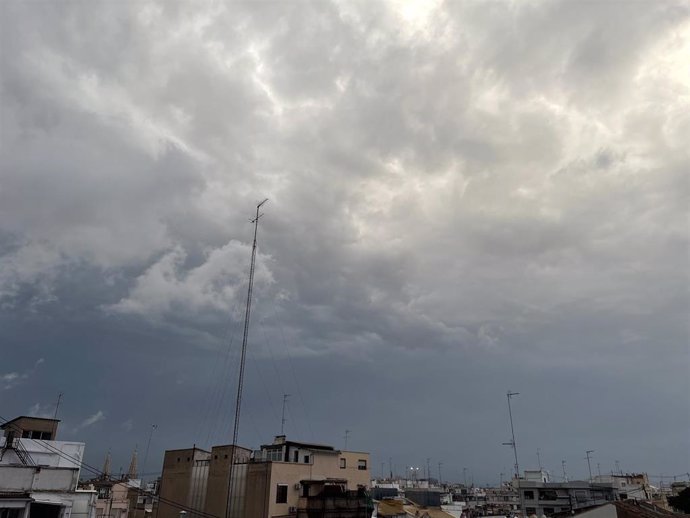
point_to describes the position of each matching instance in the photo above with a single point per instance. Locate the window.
(281, 494)
(548, 494)
(187, 459)
(529, 495)
(530, 511)
(274, 455)
(215, 457)
(343, 463)
(225, 456)
(295, 456)
(362, 464)
(306, 459)
(178, 459)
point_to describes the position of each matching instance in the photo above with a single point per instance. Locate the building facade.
(278, 480)
(39, 474)
(550, 498)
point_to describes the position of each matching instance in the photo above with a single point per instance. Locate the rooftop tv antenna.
(57, 405)
(243, 357)
(282, 422)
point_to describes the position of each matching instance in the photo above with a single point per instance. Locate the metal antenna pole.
(428, 468)
(589, 465)
(240, 381)
(148, 445)
(347, 434)
(440, 480)
(539, 459)
(509, 395)
(57, 406)
(282, 422)
(565, 476)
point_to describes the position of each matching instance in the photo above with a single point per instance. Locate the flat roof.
(307, 445)
(188, 449)
(28, 417)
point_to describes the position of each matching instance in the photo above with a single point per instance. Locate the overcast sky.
(466, 198)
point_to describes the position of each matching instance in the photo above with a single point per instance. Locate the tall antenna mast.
(282, 422)
(347, 435)
(240, 381)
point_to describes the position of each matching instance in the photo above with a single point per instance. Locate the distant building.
(634, 486)
(551, 498)
(39, 474)
(628, 509)
(114, 495)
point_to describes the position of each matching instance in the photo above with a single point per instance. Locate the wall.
(177, 481)
(32, 478)
(219, 467)
(355, 477)
(42, 455)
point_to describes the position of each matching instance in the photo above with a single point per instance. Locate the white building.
(39, 475)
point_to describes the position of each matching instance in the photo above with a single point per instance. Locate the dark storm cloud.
(465, 198)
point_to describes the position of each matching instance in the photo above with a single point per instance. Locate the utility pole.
(589, 465)
(282, 421)
(565, 476)
(539, 459)
(57, 406)
(347, 435)
(243, 357)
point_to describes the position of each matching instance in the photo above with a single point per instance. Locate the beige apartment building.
(282, 479)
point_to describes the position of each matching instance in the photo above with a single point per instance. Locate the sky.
(465, 199)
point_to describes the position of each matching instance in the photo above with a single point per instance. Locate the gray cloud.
(464, 199)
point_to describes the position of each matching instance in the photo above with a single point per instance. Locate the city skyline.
(463, 201)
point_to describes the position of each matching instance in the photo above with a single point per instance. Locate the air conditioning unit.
(297, 486)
